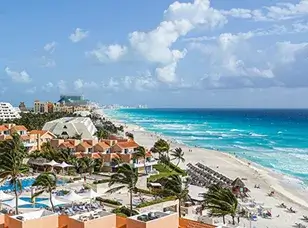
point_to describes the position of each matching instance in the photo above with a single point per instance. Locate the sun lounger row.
(214, 173)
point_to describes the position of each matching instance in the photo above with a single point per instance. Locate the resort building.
(22, 107)
(153, 219)
(39, 219)
(7, 111)
(108, 151)
(32, 140)
(68, 127)
(45, 107)
(95, 219)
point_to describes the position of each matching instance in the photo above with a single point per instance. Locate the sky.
(197, 53)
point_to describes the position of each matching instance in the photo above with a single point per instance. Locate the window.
(125, 151)
(64, 127)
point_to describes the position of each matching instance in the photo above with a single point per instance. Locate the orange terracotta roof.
(187, 223)
(19, 128)
(3, 128)
(114, 155)
(129, 144)
(103, 145)
(37, 132)
(67, 145)
(85, 144)
(95, 155)
(25, 137)
(78, 155)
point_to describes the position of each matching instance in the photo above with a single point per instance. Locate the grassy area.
(161, 200)
(166, 171)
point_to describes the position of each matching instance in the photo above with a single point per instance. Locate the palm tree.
(48, 183)
(161, 146)
(140, 152)
(178, 155)
(101, 134)
(221, 202)
(174, 186)
(126, 176)
(12, 154)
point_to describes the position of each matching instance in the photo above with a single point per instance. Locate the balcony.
(148, 163)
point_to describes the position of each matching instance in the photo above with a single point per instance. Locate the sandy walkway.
(285, 187)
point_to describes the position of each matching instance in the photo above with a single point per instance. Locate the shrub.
(109, 201)
(161, 200)
(124, 211)
(101, 181)
(177, 169)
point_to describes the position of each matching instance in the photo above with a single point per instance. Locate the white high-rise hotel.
(7, 111)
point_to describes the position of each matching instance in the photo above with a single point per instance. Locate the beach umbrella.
(91, 194)
(55, 201)
(51, 163)
(72, 197)
(63, 165)
(12, 203)
(4, 196)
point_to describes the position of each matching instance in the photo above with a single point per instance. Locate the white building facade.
(68, 127)
(8, 112)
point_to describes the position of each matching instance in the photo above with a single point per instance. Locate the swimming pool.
(37, 203)
(26, 182)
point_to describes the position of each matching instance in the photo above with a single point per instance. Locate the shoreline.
(254, 166)
(287, 188)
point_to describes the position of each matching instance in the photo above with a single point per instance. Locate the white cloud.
(180, 18)
(109, 53)
(78, 35)
(48, 62)
(48, 86)
(278, 12)
(80, 84)
(62, 85)
(20, 77)
(286, 51)
(50, 47)
(31, 90)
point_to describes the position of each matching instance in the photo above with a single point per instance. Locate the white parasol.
(55, 202)
(63, 165)
(72, 197)
(4, 196)
(52, 163)
(90, 194)
(12, 203)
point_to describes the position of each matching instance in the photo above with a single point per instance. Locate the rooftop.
(33, 215)
(71, 120)
(152, 215)
(91, 215)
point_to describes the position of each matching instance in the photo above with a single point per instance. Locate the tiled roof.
(129, 144)
(95, 155)
(78, 155)
(19, 128)
(67, 144)
(187, 223)
(37, 132)
(85, 144)
(103, 145)
(3, 128)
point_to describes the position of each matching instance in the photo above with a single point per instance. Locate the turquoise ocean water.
(276, 139)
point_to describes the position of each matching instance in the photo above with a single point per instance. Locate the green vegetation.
(220, 202)
(166, 171)
(109, 201)
(35, 121)
(126, 176)
(101, 181)
(124, 212)
(178, 154)
(47, 183)
(160, 200)
(12, 154)
(140, 152)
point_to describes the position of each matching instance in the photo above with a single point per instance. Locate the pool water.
(27, 182)
(37, 203)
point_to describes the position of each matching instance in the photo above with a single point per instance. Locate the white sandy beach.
(286, 189)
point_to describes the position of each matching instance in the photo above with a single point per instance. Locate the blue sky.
(198, 53)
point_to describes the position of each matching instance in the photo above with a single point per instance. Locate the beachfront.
(284, 188)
